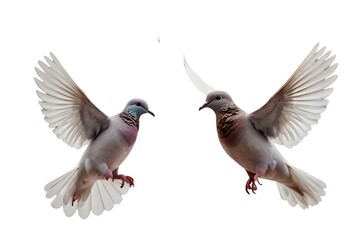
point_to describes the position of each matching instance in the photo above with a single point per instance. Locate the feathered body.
(252, 150)
(285, 119)
(103, 156)
(94, 185)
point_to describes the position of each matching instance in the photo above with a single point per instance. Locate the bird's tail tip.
(104, 194)
(311, 187)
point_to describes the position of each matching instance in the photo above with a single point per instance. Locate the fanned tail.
(311, 188)
(104, 195)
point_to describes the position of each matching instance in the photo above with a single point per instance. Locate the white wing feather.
(288, 115)
(202, 86)
(75, 119)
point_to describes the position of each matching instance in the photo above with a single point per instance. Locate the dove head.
(137, 107)
(217, 100)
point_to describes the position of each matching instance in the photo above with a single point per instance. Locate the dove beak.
(204, 106)
(151, 113)
(148, 111)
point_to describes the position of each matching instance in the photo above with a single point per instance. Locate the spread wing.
(288, 115)
(202, 86)
(75, 119)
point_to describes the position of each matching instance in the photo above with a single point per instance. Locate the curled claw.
(129, 180)
(251, 184)
(114, 175)
(124, 179)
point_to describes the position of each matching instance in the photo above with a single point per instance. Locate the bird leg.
(251, 182)
(122, 177)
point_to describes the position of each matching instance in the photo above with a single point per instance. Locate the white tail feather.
(103, 196)
(311, 187)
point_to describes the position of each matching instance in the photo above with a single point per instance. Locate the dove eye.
(218, 97)
(138, 104)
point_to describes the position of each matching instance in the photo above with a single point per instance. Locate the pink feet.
(122, 177)
(251, 182)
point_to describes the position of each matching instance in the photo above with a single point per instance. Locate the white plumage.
(104, 195)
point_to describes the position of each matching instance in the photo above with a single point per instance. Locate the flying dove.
(94, 184)
(285, 119)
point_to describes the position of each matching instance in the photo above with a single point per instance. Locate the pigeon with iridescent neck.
(284, 119)
(94, 184)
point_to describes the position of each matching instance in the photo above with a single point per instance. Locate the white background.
(186, 187)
